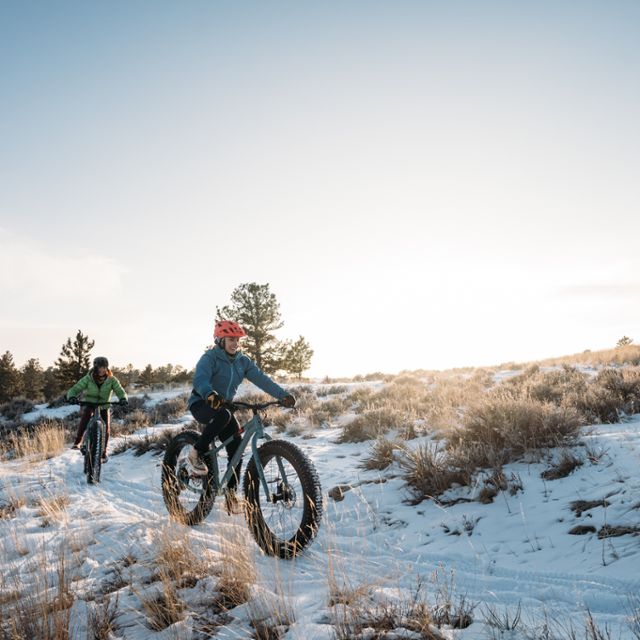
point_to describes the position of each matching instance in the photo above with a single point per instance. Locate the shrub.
(156, 442)
(381, 454)
(136, 403)
(518, 425)
(43, 441)
(373, 424)
(324, 412)
(562, 467)
(335, 389)
(133, 421)
(16, 407)
(428, 472)
(170, 410)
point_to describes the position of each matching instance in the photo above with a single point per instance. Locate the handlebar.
(85, 403)
(234, 406)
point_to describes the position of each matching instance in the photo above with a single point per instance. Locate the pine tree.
(127, 376)
(52, 387)
(9, 378)
(298, 357)
(147, 376)
(74, 360)
(33, 380)
(625, 341)
(256, 309)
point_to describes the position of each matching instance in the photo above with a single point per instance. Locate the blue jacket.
(217, 371)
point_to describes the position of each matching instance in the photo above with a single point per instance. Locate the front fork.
(271, 497)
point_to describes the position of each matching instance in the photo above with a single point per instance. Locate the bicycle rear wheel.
(189, 498)
(287, 520)
(93, 451)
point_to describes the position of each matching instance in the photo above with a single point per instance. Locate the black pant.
(87, 414)
(220, 423)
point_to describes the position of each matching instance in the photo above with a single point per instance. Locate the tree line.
(252, 305)
(35, 383)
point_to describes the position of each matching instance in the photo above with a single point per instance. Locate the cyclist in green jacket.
(97, 386)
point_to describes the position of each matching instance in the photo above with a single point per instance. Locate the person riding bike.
(97, 386)
(217, 376)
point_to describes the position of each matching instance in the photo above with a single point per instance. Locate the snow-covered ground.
(513, 554)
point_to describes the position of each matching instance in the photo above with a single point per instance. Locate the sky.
(423, 185)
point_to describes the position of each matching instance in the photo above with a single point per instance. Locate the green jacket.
(91, 392)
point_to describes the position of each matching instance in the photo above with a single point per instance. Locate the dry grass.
(179, 558)
(52, 508)
(132, 421)
(486, 426)
(429, 471)
(501, 622)
(412, 404)
(368, 611)
(271, 612)
(16, 408)
(40, 610)
(561, 467)
(155, 442)
(518, 425)
(375, 423)
(45, 441)
(629, 354)
(10, 506)
(163, 608)
(450, 609)
(102, 620)
(169, 410)
(236, 573)
(382, 454)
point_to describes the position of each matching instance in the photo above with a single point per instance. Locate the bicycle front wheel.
(286, 520)
(93, 452)
(188, 497)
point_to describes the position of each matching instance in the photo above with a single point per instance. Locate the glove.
(215, 400)
(73, 400)
(288, 401)
(123, 402)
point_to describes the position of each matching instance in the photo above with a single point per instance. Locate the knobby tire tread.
(93, 459)
(267, 540)
(171, 488)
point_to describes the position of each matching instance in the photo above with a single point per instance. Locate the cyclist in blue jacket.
(217, 377)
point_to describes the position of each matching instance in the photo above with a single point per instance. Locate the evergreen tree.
(127, 376)
(33, 380)
(147, 376)
(74, 360)
(625, 341)
(181, 375)
(298, 357)
(52, 386)
(256, 309)
(163, 374)
(9, 378)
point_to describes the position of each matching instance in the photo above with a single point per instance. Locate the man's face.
(102, 371)
(231, 345)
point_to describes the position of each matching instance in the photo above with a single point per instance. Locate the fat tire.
(93, 456)
(267, 539)
(171, 484)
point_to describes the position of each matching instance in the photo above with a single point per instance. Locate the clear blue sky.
(422, 184)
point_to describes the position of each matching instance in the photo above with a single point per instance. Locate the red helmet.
(228, 329)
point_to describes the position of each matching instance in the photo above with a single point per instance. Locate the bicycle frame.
(253, 431)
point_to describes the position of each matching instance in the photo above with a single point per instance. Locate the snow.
(514, 552)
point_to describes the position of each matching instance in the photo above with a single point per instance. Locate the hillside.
(509, 551)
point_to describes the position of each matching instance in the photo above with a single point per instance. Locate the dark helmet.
(100, 361)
